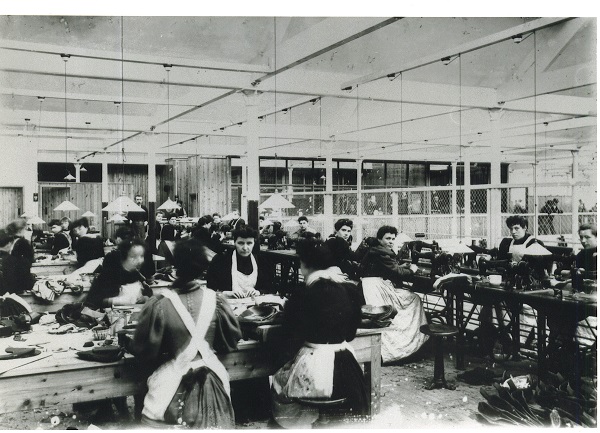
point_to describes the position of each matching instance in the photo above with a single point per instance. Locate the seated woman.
(120, 281)
(325, 316)
(61, 240)
(382, 282)
(15, 275)
(513, 248)
(239, 271)
(86, 246)
(22, 249)
(175, 339)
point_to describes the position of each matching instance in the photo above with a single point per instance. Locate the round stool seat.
(438, 330)
(322, 402)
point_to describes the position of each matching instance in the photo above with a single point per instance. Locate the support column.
(290, 187)
(77, 172)
(495, 199)
(467, 171)
(104, 197)
(359, 204)
(252, 98)
(454, 222)
(152, 200)
(244, 196)
(394, 197)
(328, 198)
(574, 197)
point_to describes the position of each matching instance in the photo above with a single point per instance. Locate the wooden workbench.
(63, 378)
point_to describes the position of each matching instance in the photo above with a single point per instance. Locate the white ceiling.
(432, 111)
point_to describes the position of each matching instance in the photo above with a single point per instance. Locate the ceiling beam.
(321, 38)
(477, 44)
(141, 59)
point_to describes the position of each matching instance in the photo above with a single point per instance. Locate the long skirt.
(348, 383)
(403, 338)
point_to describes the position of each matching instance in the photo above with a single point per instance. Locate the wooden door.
(11, 204)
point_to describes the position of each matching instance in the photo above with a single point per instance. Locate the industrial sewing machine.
(442, 263)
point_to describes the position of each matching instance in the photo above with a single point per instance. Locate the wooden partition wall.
(12, 204)
(204, 184)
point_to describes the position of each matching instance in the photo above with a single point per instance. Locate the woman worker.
(325, 316)
(513, 248)
(382, 282)
(239, 271)
(120, 281)
(175, 339)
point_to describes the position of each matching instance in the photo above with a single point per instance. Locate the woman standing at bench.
(175, 339)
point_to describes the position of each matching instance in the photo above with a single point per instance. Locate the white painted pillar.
(104, 183)
(574, 197)
(467, 171)
(151, 176)
(495, 199)
(244, 198)
(328, 199)
(77, 172)
(290, 187)
(394, 197)
(359, 200)
(454, 222)
(252, 98)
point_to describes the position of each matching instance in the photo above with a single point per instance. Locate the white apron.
(163, 383)
(518, 251)
(241, 282)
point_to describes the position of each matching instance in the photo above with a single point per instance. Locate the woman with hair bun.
(325, 316)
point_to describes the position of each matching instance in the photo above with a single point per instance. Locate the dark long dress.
(326, 312)
(161, 334)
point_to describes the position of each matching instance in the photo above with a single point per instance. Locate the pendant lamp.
(403, 237)
(536, 249)
(169, 204)
(117, 218)
(35, 220)
(121, 204)
(66, 205)
(459, 248)
(276, 201)
(89, 214)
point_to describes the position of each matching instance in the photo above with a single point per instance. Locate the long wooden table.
(53, 267)
(63, 378)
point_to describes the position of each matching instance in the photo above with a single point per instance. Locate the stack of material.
(527, 401)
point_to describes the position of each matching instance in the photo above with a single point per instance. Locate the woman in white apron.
(513, 248)
(176, 339)
(240, 272)
(382, 277)
(325, 316)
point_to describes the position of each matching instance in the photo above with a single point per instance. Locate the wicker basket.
(100, 332)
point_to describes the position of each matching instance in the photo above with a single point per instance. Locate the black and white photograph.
(247, 216)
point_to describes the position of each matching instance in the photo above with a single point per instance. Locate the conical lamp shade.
(403, 238)
(458, 249)
(25, 215)
(230, 216)
(36, 220)
(276, 201)
(69, 177)
(117, 218)
(122, 204)
(66, 206)
(169, 204)
(83, 168)
(291, 223)
(89, 214)
(536, 249)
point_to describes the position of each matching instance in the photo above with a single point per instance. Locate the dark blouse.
(382, 262)
(111, 278)
(325, 312)
(88, 248)
(587, 259)
(218, 276)
(59, 242)
(15, 275)
(161, 334)
(23, 250)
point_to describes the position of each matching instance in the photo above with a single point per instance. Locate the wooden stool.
(438, 332)
(325, 407)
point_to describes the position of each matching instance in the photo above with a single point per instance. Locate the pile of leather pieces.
(377, 316)
(553, 402)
